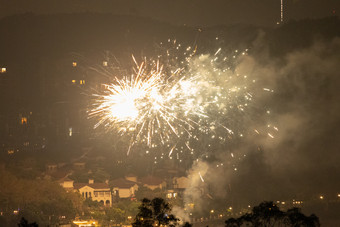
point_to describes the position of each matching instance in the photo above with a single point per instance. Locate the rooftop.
(94, 185)
(122, 183)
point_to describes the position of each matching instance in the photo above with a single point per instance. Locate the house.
(180, 182)
(67, 184)
(153, 182)
(100, 192)
(123, 188)
(179, 185)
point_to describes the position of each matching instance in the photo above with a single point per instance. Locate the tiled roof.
(79, 185)
(151, 180)
(94, 185)
(122, 183)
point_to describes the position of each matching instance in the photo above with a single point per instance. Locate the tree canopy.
(267, 214)
(156, 211)
(41, 201)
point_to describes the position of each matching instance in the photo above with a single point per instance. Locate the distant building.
(57, 172)
(51, 167)
(67, 184)
(131, 177)
(152, 182)
(79, 165)
(100, 192)
(180, 182)
(179, 185)
(123, 188)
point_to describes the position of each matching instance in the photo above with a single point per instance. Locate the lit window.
(82, 82)
(73, 81)
(104, 63)
(3, 70)
(24, 120)
(74, 64)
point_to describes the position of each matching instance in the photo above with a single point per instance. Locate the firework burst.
(179, 101)
(149, 106)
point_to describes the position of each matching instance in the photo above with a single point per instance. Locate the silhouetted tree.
(187, 224)
(268, 214)
(24, 223)
(156, 211)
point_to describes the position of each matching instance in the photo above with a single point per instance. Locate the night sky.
(195, 13)
(298, 59)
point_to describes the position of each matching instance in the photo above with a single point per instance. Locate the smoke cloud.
(301, 161)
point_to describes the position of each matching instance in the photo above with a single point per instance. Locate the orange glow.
(24, 120)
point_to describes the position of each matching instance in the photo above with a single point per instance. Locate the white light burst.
(177, 101)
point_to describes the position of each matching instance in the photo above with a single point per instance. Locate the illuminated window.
(73, 81)
(82, 82)
(24, 120)
(104, 63)
(3, 70)
(74, 64)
